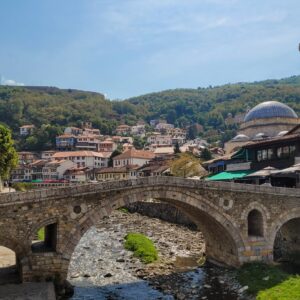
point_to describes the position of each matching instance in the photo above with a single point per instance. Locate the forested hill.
(56, 108)
(49, 105)
(209, 106)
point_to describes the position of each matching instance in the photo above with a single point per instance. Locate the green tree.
(8, 154)
(177, 148)
(115, 153)
(205, 154)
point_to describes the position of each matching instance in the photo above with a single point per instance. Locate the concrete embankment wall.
(163, 211)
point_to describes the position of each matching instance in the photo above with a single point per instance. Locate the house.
(54, 170)
(138, 130)
(154, 170)
(163, 151)
(133, 157)
(78, 175)
(73, 131)
(88, 142)
(88, 159)
(122, 139)
(65, 142)
(21, 173)
(47, 154)
(107, 146)
(123, 129)
(27, 157)
(159, 139)
(26, 130)
(91, 131)
(36, 169)
(163, 127)
(279, 152)
(117, 173)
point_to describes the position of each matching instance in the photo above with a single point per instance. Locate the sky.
(125, 48)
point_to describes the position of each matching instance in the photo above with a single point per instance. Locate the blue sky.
(126, 48)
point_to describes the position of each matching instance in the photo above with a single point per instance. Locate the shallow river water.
(102, 269)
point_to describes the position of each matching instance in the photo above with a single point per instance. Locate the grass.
(141, 246)
(269, 282)
(286, 290)
(123, 209)
(41, 234)
(22, 186)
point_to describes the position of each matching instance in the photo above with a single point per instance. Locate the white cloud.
(11, 82)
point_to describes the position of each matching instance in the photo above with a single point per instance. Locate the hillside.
(209, 107)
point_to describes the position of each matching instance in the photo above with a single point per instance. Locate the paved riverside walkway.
(27, 291)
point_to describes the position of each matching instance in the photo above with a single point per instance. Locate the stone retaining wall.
(161, 211)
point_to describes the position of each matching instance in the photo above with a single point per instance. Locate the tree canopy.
(8, 154)
(204, 111)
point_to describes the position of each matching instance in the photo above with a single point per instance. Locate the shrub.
(22, 186)
(41, 234)
(141, 246)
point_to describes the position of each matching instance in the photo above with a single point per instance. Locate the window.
(259, 155)
(46, 239)
(264, 154)
(286, 151)
(271, 154)
(255, 223)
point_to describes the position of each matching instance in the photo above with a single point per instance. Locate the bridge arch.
(285, 234)
(223, 240)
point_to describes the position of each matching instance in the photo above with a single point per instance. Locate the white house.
(54, 170)
(133, 157)
(88, 159)
(158, 139)
(26, 129)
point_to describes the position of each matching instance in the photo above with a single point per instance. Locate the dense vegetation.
(211, 106)
(269, 282)
(8, 154)
(51, 109)
(141, 246)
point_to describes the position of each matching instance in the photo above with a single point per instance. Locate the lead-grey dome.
(241, 138)
(270, 109)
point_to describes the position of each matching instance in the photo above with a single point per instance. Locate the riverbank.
(101, 268)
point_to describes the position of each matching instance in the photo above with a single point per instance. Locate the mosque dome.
(241, 138)
(281, 133)
(270, 109)
(260, 136)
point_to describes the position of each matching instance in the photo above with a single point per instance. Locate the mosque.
(266, 120)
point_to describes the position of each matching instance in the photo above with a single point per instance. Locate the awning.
(230, 175)
(263, 173)
(37, 180)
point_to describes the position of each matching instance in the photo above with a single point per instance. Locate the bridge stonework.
(220, 210)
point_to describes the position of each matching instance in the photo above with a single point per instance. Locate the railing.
(83, 189)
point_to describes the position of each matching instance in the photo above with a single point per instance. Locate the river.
(102, 269)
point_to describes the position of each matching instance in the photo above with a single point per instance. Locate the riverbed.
(102, 269)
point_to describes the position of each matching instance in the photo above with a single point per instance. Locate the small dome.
(281, 133)
(270, 109)
(260, 136)
(241, 138)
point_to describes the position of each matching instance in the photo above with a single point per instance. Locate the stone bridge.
(239, 222)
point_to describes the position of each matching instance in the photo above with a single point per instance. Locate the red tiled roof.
(80, 153)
